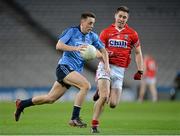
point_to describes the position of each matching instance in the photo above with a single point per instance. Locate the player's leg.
(116, 85)
(100, 74)
(104, 88)
(116, 90)
(103, 83)
(142, 90)
(56, 92)
(114, 98)
(76, 79)
(153, 90)
(96, 94)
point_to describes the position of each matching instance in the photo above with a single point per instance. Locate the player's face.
(87, 25)
(121, 19)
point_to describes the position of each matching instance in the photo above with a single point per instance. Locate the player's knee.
(50, 100)
(103, 98)
(86, 86)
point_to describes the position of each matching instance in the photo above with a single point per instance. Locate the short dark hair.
(87, 14)
(122, 8)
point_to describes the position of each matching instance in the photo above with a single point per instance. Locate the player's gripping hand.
(138, 75)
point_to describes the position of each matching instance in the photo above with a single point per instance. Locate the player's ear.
(83, 20)
(127, 16)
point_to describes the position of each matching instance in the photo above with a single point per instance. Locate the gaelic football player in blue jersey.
(68, 72)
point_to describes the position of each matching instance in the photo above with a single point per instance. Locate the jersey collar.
(79, 28)
(119, 30)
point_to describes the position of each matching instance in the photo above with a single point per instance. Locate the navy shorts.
(61, 72)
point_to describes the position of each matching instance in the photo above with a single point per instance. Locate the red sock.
(95, 123)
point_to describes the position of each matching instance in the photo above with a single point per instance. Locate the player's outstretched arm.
(98, 54)
(105, 58)
(139, 63)
(64, 47)
(139, 58)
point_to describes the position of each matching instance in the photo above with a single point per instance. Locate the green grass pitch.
(162, 118)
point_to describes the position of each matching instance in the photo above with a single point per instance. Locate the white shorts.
(149, 80)
(116, 75)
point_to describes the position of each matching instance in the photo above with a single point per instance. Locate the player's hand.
(138, 75)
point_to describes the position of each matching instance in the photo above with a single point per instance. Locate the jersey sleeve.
(66, 35)
(103, 37)
(135, 40)
(97, 42)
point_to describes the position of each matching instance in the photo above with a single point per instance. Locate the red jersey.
(151, 67)
(119, 44)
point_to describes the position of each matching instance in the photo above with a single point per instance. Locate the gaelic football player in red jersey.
(149, 78)
(119, 39)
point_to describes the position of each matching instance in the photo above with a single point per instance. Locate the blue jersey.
(74, 37)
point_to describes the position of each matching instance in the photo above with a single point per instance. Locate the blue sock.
(76, 111)
(26, 103)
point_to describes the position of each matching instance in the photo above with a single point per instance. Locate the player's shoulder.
(70, 30)
(93, 34)
(130, 29)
